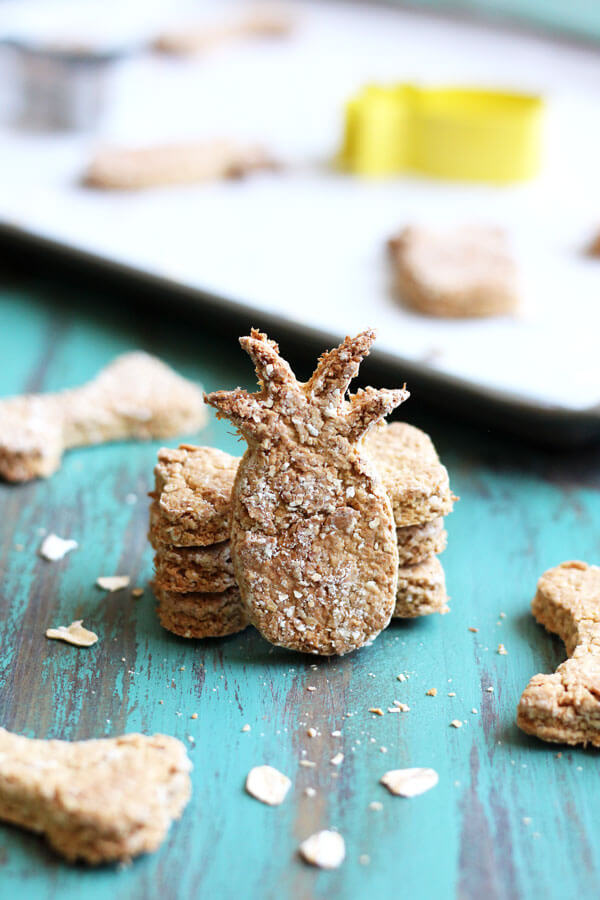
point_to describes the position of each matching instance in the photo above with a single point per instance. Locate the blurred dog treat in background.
(259, 21)
(460, 272)
(184, 163)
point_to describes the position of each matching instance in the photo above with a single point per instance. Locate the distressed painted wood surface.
(508, 820)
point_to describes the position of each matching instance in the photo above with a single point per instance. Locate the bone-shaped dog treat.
(565, 707)
(122, 168)
(99, 800)
(136, 396)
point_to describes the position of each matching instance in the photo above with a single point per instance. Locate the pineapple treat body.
(313, 539)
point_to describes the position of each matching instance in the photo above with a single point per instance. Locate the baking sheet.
(307, 245)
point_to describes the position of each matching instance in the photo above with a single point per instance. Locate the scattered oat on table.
(409, 782)
(376, 805)
(502, 651)
(245, 727)
(137, 592)
(74, 634)
(54, 547)
(325, 849)
(432, 692)
(337, 760)
(456, 723)
(268, 785)
(376, 710)
(112, 583)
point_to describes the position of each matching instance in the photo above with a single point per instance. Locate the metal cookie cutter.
(61, 87)
(456, 133)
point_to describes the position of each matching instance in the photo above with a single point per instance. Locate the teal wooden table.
(509, 818)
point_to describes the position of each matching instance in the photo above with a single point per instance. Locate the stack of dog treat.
(190, 522)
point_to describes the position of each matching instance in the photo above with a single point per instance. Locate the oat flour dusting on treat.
(565, 707)
(313, 539)
(98, 801)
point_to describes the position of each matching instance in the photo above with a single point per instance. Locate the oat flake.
(74, 634)
(268, 785)
(54, 547)
(113, 582)
(325, 849)
(409, 782)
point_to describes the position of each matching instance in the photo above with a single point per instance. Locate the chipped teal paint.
(521, 511)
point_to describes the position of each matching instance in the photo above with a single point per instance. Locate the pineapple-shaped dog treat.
(313, 540)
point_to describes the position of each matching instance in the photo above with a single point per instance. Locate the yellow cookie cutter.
(456, 133)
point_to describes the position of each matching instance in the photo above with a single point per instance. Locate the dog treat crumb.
(474, 630)
(311, 732)
(456, 723)
(267, 785)
(74, 634)
(337, 760)
(112, 583)
(54, 547)
(432, 692)
(325, 849)
(502, 651)
(376, 710)
(410, 782)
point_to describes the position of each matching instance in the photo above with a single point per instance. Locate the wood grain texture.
(521, 511)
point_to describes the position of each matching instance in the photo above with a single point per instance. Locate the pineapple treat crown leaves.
(317, 408)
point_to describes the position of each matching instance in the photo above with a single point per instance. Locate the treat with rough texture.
(192, 497)
(201, 615)
(313, 540)
(194, 485)
(463, 272)
(414, 478)
(417, 542)
(121, 168)
(136, 396)
(565, 707)
(96, 801)
(191, 39)
(194, 569)
(421, 590)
